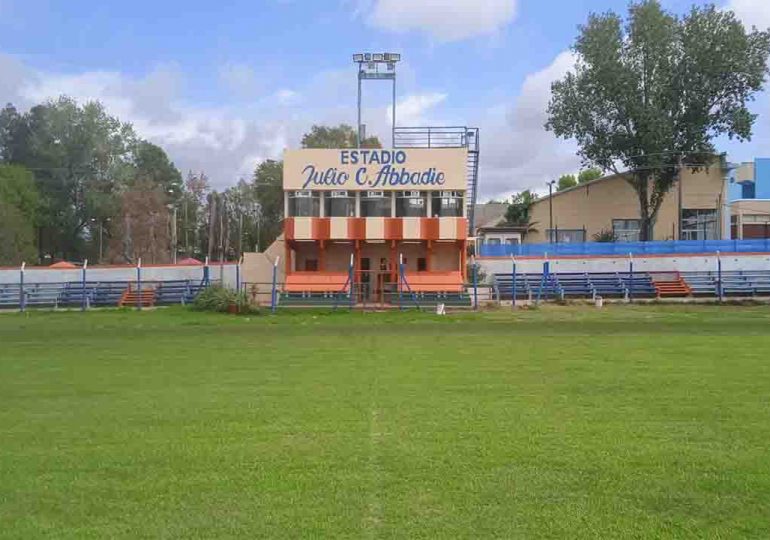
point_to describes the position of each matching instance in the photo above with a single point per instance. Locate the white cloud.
(225, 143)
(751, 12)
(411, 110)
(239, 79)
(443, 20)
(516, 151)
(287, 96)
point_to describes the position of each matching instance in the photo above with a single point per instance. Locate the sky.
(223, 85)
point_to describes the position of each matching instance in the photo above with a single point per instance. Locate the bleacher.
(736, 283)
(94, 293)
(177, 292)
(572, 285)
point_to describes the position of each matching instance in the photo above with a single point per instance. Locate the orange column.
(393, 260)
(287, 261)
(463, 258)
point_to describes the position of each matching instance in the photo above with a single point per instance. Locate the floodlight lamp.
(358, 58)
(395, 57)
(368, 57)
(377, 57)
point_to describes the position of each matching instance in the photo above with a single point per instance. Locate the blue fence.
(624, 248)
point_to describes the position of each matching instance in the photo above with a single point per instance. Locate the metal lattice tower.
(447, 137)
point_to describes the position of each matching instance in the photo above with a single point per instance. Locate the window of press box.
(447, 204)
(627, 230)
(566, 236)
(304, 204)
(375, 204)
(411, 204)
(340, 204)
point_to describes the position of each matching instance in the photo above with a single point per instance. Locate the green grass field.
(563, 422)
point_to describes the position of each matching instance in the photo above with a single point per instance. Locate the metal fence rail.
(625, 248)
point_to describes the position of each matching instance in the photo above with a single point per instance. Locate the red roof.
(189, 260)
(63, 264)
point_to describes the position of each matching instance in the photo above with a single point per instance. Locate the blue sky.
(224, 85)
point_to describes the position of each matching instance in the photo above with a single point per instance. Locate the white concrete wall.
(680, 263)
(225, 273)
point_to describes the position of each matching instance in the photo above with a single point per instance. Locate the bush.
(222, 300)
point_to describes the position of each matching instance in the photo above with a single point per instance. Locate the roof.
(504, 228)
(489, 214)
(63, 264)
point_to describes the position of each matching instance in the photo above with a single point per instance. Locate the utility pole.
(240, 233)
(173, 238)
(679, 199)
(550, 211)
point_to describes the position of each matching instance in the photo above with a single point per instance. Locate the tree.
(589, 175)
(342, 136)
(566, 181)
(517, 213)
(652, 95)
(19, 203)
(268, 189)
(153, 166)
(142, 226)
(81, 158)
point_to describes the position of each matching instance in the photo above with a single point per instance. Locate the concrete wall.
(596, 204)
(36, 274)
(680, 263)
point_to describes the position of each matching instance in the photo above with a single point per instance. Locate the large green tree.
(651, 93)
(19, 202)
(80, 156)
(268, 193)
(341, 136)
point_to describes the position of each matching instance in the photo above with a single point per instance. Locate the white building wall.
(225, 273)
(680, 263)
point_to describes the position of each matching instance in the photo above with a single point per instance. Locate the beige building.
(611, 205)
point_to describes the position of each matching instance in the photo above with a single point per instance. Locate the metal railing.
(588, 249)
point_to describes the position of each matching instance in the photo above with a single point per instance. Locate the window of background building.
(512, 241)
(447, 204)
(411, 204)
(375, 204)
(566, 236)
(492, 241)
(627, 230)
(754, 218)
(304, 204)
(340, 204)
(699, 224)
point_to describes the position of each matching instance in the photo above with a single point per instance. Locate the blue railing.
(624, 248)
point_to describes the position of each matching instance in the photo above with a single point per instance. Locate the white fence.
(225, 273)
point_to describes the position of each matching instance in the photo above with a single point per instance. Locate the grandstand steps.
(672, 288)
(131, 298)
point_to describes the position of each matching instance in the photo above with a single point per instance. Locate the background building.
(750, 200)
(609, 206)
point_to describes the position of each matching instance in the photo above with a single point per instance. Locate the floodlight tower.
(376, 66)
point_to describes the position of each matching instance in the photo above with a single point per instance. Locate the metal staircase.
(447, 137)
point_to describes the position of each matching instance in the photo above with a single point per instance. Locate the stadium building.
(367, 215)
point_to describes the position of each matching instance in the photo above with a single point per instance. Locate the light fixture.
(395, 57)
(378, 57)
(368, 57)
(358, 58)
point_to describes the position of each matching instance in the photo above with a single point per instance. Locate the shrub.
(215, 298)
(222, 300)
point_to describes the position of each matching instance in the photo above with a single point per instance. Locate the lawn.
(627, 422)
